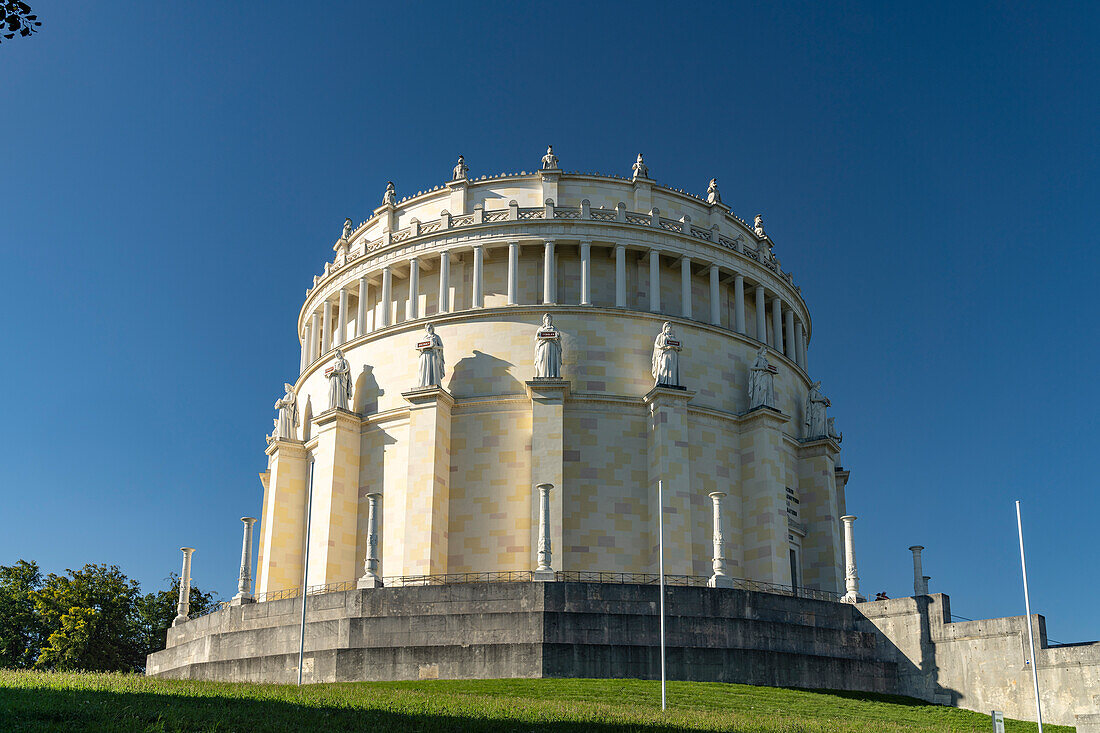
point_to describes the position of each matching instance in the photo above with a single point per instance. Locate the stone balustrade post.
(244, 580)
(851, 574)
(544, 571)
(719, 579)
(184, 606)
(918, 571)
(371, 577)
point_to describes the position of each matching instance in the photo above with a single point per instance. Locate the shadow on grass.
(41, 709)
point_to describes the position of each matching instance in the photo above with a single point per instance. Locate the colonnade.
(327, 326)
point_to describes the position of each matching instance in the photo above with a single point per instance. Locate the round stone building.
(427, 449)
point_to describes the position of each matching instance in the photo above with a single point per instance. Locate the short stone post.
(545, 555)
(371, 578)
(244, 582)
(851, 577)
(918, 572)
(184, 606)
(719, 579)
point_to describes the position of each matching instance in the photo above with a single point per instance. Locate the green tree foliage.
(16, 18)
(93, 619)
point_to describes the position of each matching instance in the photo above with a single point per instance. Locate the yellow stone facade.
(456, 466)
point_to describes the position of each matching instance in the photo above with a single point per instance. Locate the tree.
(22, 631)
(156, 611)
(16, 18)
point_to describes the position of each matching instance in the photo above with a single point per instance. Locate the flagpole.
(305, 576)
(1027, 610)
(661, 574)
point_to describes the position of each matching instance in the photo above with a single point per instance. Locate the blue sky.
(173, 175)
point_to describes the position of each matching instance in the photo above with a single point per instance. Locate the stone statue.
(287, 424)
(817, 425)
(758, 226)
(762, 381)
(339, 382)
(459, 172)
(713, 197)
(346, 236)
(430, 371)
(665, 365)
(549, 161)
(390, 197)
(547, 350)
(641, 170)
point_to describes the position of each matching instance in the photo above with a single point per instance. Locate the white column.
(184, 606)
(543, 571)
(800, 345)
(777, 325)
(387, 295)
(478, 296)
(371, 577)
(444, 283)
(918, 571)
(548, 279)
(739, 304)
(412, 305)
(620, 276)
(788, 336)
(715, 305)
(851, 576)
(513, 273)
(305, 348)
(326, 327)
(805, 348)
(719, 579)
(655, 280)
(244, 580)
(361, 312)
(685, 287)
(761, 318)
(314, 337)
(586, 273)
(342, 319)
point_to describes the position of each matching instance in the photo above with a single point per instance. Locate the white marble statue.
(430, 371)
(286, 427)
(547, 350)
(549, 161)
(389, 198)
(713, 197)
(817, 425)
(758, 226)
(460, 169)
(641, 170)
(339, 382)
(665, 365)
(761, 381)
(346, 236)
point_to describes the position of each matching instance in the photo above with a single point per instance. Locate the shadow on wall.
(483, 374)
(366, 393)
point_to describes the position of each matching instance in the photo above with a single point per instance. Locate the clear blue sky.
(174, 174)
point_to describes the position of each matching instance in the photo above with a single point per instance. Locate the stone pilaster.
(428, 482)
(548, 398)
(820, 511)
(283, 523)
(669, 461)
(764, 540)
(334, 526)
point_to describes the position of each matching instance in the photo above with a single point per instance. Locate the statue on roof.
(390, 197)
(641, 170)
(346, 236)
(549, 161)
(758, 226)
(713, 197)
(460, 169)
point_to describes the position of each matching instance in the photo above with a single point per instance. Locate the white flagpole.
(1027, 610)
(305, 576)
(661, 573)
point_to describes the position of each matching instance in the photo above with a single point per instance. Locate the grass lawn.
(32, 701)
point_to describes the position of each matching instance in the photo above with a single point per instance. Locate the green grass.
(106, 702)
